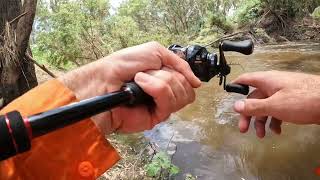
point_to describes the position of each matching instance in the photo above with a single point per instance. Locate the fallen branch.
(309, 26)
(18, 17)
(41, 66)
(227, 36)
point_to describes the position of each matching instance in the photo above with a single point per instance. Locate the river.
(206, 141)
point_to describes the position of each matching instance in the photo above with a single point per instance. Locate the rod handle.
(238, 88)
(245, 47)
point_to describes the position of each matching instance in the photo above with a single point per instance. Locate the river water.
(205, 139)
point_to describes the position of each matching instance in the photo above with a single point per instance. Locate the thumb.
(252, 107)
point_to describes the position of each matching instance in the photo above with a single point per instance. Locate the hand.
(286, 96)
(160, 73)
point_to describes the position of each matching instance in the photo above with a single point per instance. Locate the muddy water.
(206, 139)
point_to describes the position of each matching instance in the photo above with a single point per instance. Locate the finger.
(255, 79)
(191, 95)
(244, 123)
(275, 125)
(161, 93)
(170, 77)
(168, 58)
(253, 107)
(139, 119)
(260, 126)
(184, 85)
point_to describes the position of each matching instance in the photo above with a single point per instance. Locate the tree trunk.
(17, 74)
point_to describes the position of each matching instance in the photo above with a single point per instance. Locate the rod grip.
(245, 47)
(238, 88)
(138, 95)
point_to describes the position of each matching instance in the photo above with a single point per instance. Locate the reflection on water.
(209, 145)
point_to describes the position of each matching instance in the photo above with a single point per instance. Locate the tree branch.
(227, 36)
(41, 66)
(17, 18)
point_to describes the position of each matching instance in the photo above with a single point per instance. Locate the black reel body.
(207, 65)
(202, 63)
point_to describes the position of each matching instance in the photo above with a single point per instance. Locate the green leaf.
(163, 159)
(174, 170)
(153, 169)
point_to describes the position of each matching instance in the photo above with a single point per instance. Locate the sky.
(115, 4)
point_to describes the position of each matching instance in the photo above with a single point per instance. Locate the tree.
(69, 33)
(17, 73)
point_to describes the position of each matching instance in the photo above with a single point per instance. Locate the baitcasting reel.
(206, 65)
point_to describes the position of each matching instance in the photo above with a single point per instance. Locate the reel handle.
(244, 47)
(238, 88)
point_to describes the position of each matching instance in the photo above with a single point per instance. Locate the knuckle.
(255, 107)
(169, 78)
(164, 87)
(156, 46)
(190, 93)
(181, 78)
(185, 64)
(157, 50)
(157, 55)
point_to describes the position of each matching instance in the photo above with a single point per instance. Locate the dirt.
(43, 76)
(306, 29)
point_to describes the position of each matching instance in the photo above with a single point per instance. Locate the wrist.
(87, 81)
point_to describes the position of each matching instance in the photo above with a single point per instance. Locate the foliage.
(161, 166)
(218, 20)
(71, 33)
(292, 8)
(316, 13)
(248, 12)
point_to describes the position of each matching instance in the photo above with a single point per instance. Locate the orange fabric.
(75, 152)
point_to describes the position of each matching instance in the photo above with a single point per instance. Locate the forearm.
(86, 81)
(89, 81)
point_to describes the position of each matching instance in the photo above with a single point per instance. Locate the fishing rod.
(17, 132)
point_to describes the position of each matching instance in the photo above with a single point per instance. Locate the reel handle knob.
(238, 88)
(245, 47)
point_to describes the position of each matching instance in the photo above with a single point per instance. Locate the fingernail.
(196, 83)
(239, 106)
(141, 77)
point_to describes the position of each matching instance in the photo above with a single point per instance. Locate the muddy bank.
(269, 30)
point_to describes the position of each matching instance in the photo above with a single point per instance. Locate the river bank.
(268, 30)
